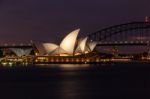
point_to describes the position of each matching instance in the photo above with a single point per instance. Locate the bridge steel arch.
(103, 34)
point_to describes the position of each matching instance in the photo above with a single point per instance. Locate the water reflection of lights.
(8, 64)
(70, 89)
(68, 67)
(73, 65)
(4, 63)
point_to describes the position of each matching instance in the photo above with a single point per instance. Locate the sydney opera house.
(70, 49)
(69, 46)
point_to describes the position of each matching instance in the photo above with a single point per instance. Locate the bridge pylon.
(115, 51)
(148, 52)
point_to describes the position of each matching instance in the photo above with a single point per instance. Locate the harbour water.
(76, 81)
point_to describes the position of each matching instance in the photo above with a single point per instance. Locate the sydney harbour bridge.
(124, 35)
(134, 33)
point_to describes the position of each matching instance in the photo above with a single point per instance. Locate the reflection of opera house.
(69, 46)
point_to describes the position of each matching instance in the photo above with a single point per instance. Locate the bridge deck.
(23, 46)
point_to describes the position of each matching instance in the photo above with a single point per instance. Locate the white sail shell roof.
(40, 48)
(68, 43)
(82, 45)
(49, 47)
(92, 45)
(58, 51)
(21, 52)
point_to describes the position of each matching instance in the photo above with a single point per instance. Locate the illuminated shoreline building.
(70, 50)
(69, 46)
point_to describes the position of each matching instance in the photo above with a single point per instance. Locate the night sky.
(50, 20)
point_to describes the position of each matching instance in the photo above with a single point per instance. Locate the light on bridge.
(13, 44)
(146, 19)
(126, 42)
(116, 42)
(5, 44)
(121, 42)
(141, 41)
(131, 42)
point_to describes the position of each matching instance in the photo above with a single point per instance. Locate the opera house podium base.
(62, 60)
